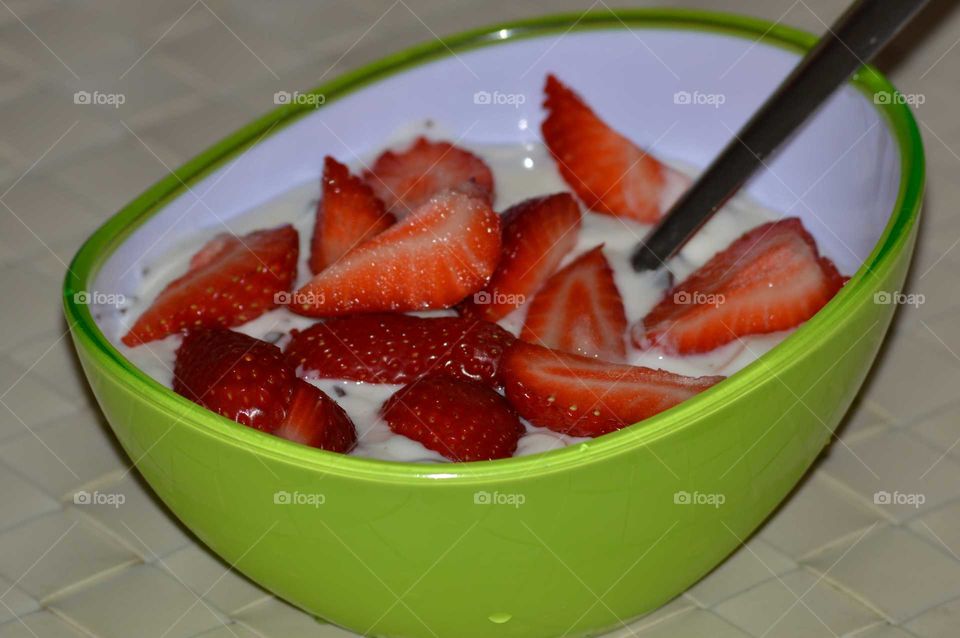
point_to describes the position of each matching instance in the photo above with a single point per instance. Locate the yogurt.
(520, 172)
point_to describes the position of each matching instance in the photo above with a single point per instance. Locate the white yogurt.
(520, 172)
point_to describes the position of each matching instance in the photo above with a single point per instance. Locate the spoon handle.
(863, 29)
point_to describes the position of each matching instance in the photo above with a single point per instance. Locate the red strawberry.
(608, 172)
(399, 348)
(462, 420)
(234, 375)
(347, 215)
(230, 281)
(316, 420)
(772, 278)
(405, 180)
(537, 235)
(580, 396)
(580, 310)
(433, 258)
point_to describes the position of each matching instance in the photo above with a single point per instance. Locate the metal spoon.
(863, 29)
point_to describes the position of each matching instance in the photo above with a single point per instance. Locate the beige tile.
(21, 500)
(678, 605)
(895, 570)
(38, 212)
(148, 21)
(142, 522)
(113, 175)
(212, 578)
(297, 21)
(929, 385)
(13, 81)
(29, 304)
(233, 630)
(692, 623)
(27, 401)
(863, 419)
(148, 90)
(274, 617)
(111, 607)
(818, 513)
(42, 624)
(902, 475)
(184, 135)
(213, 57)
(882, 630)
(933, 276)
(772, 608)
(82, 440)
(54, 552)
(14, 602)
(51, 358)
(73, 34)
(750, 565)
(46, 122)
(939, 622)
(941, 430)
(942, 527)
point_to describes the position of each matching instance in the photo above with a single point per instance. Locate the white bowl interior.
(840, 174)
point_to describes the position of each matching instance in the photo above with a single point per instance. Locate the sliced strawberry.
(462, 420)
(316, 420)
(772, 278)
(433, 258)
(537, 234)
(399, 348)
(608, 172)
(348, 213)
(231, 280)
(579, 310)
(405, 180)
(580, 396)
(234, 375)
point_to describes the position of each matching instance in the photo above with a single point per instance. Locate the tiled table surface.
(831, 562)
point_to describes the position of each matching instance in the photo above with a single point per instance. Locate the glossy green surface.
(406, 549)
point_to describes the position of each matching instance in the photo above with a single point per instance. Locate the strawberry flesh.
(348, 214)
(230, 281)
(608, 172)
(314, 419)
(770, 279)
(399, 348)
(537, 234)
(581, 396)
(406, 179)
(580, 310)
(462, 420)
(433, 258)
(234, 375)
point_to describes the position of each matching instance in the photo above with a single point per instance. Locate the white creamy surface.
(519, 172)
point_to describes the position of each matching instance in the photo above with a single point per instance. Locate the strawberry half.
(407, 179)
(537, 234)
(462, 420)
(579, 310)
(608, 172)
(316, 420)
(433, 258)
(399, 348)
(230, 281)
(772, 278)
(580, 396)
(234, 375)
(348, 214)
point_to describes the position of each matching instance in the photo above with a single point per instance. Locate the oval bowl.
(573, 541)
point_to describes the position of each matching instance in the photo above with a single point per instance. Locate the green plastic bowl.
(576, 540)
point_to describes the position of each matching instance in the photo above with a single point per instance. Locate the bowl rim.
(102, 243)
